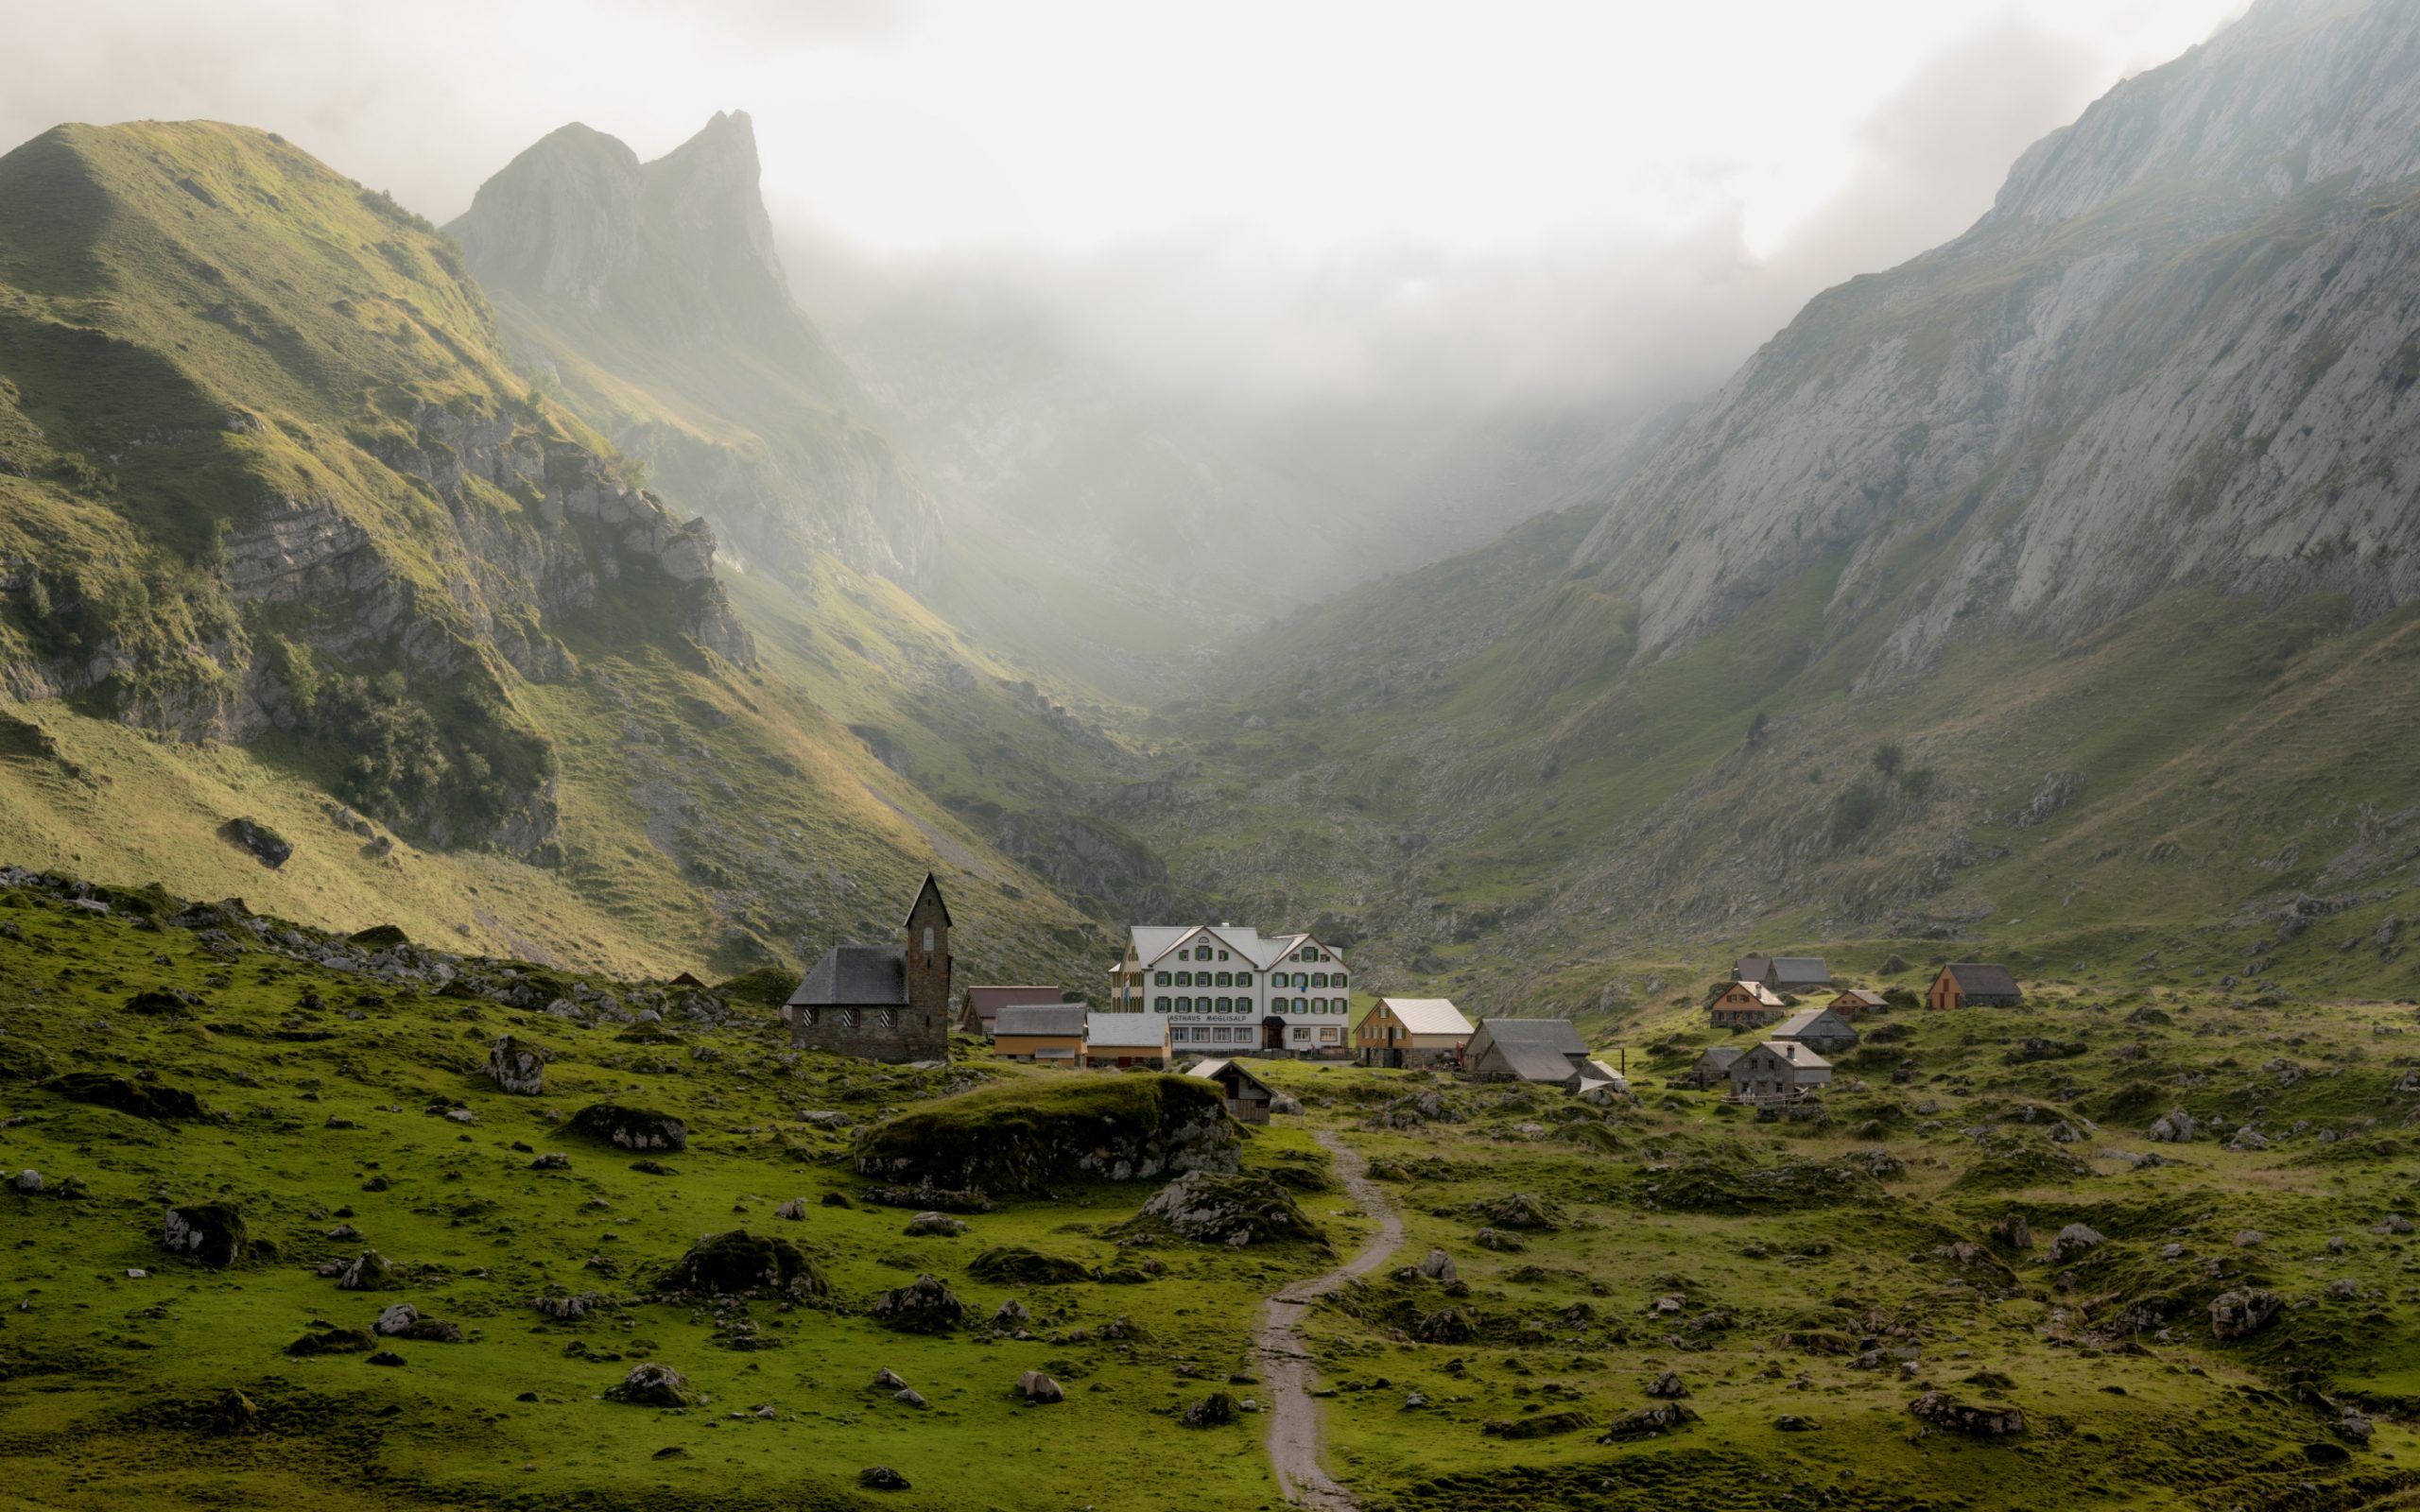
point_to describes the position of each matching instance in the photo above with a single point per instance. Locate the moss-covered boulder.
(1010, 1265)
(739, 1264)
(142, 1099)
(923, 1306)
(333, 1341)
(1024, 1135)
(209, 1233)
(518, 1066)
(631, 1129)
(654, 1385)
(1214, 1209)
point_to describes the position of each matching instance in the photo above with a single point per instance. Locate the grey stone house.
(1779, 1071)
(881, 1002)
(1784, 973)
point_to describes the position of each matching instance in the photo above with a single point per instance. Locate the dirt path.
(1294, 1435)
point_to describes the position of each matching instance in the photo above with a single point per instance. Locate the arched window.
(1160, 1004)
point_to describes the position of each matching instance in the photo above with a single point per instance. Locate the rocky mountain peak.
(2297, 93)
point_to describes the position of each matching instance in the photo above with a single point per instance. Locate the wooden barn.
(1974, 985)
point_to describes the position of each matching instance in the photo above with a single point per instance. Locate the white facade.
(1223, 989)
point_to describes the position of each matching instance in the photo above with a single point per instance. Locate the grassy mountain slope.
(272, 497)
(1807, 1282)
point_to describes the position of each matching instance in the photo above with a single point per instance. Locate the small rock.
(881, 1478)
(384, 1357)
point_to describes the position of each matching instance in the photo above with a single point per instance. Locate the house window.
(1302, 1036)
(887, 1018)
(928, 939)
(1161, 979)
(1328, 1037)
(848, 1018)
(1222, 955)
(1226, 978)
(1337, 980)
(808, 1017)
(1160, 1004)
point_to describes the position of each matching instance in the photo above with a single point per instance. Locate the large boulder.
(142, 1099)
(1975, 1419)
(212, 1233)
(632, 1128)
(1214, 1209)
(1647, 1422)
(517, 1066)
(654, 1385)
(922, 1306)
(2075, 1241)
(1033, 1133)
(2241, 1314)
(739, 1264)
(2175, 1126)
(369, 1272)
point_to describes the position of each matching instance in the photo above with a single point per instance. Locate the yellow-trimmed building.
(1412, 1032)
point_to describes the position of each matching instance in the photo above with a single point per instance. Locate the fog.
(1471, 205)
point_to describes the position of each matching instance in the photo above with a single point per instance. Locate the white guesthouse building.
(1225, 988)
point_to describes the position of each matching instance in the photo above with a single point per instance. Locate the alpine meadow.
(1390, 758)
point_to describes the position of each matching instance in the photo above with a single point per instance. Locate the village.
(1208, 999)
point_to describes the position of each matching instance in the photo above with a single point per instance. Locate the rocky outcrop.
(209, 1233)
(664, 276)
(739, 1264)
(2053, 411)
(1214, 1209)
(1023, 1136)
(630, 1128)
(517, 1066)
(1975, 1420)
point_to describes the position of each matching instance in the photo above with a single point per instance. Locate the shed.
(984, 1003)
(1818, 1029)
(1713, 1069)
(1548, 1050)
(1855, 1000)
(1746, 1006)
(1040, 1031)
(1248, 1097)
(1974, 985)
(1779, 1071)
(1412, 1032)
(1126, 1040)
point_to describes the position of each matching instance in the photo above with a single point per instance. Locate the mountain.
(650, 298)
(305, 595)
(2049, 595)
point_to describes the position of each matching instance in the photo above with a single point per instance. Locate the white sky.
(1384, 159)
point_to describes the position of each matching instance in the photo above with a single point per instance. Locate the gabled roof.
(856, 976)
(988, 1000)
(1217, 1070)
(1428, 1015)
(1102, 1030)
(1752, 968)
(1805, 968)
(935, 888)
(1865, 997)
(1532, 1049)
(1151, 943)
(1980, 976)
(1718, 1057)
(1806, 1019)
(1766, 997)
(1054, 1018)
(1796, 1055)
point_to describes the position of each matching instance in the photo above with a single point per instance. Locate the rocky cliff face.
(652, 295)
(2178, 352)
(278, 484)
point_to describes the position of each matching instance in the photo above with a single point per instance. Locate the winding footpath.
(1295, 1437)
